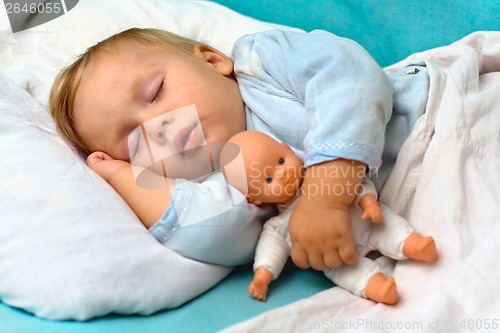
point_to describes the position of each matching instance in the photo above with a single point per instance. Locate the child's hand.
(104, 165)
(321, 237)
(148, 204)
(320, 227)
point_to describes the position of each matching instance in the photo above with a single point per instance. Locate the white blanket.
(446, 182)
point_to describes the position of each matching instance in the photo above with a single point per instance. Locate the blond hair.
(66, 84)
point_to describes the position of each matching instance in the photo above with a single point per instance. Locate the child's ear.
(217, 59)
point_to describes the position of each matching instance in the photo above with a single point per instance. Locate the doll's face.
(274, 173)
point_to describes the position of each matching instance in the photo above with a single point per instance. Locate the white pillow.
(70, 247)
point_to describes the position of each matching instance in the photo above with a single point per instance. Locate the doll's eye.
(281, 161)
(269, 180)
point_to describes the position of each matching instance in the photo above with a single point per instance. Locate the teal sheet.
(226, 304)
(389, 29)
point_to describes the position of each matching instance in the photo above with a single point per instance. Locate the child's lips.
(187, 139)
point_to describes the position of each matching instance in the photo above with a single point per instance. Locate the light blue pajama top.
(326, 98)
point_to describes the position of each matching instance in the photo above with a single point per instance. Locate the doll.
(273, 175)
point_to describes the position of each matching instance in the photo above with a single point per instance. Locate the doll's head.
(270, 172)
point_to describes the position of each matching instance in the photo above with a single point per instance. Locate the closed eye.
(158, 93)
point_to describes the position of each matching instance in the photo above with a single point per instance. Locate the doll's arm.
(148, 204)
(320, 226)
(368, 203)
(271, 254)
(366, 199)
(260, 284)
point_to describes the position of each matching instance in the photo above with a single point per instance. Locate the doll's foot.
(382, 290)
(420, 248)
(258, 290)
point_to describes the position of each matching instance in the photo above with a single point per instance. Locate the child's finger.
(347, 252)
(299, 257)
(316, 260)
(332, 259)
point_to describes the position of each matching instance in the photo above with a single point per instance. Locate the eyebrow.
(146, 78)
(137, 86)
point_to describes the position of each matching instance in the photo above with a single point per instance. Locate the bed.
(74, 258)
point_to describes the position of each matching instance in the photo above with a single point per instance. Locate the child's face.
(125, 88)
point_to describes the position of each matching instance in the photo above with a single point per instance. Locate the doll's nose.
(281, 172)
(156, 128)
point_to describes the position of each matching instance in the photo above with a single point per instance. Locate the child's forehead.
(132, 48)
(128, 48)
(125, 56)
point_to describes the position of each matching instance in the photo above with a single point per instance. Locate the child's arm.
(148, 204)
(320, 226)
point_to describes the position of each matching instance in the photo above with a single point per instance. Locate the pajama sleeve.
(346, 96)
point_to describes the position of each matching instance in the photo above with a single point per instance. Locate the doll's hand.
(104, 165)
(373, 212)
(260, 284)
(321, 236)
(371, 209)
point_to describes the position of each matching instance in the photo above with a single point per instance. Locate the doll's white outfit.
(274, 245)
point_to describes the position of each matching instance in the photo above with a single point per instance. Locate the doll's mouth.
(292, 184)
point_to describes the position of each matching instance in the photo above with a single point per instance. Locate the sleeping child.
(322, 94)
(271, 173)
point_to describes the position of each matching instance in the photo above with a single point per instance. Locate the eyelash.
(158, 93)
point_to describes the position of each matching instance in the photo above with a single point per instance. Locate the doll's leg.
(397, 239)
(365, 279)
(382, 289)
(420, 248)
